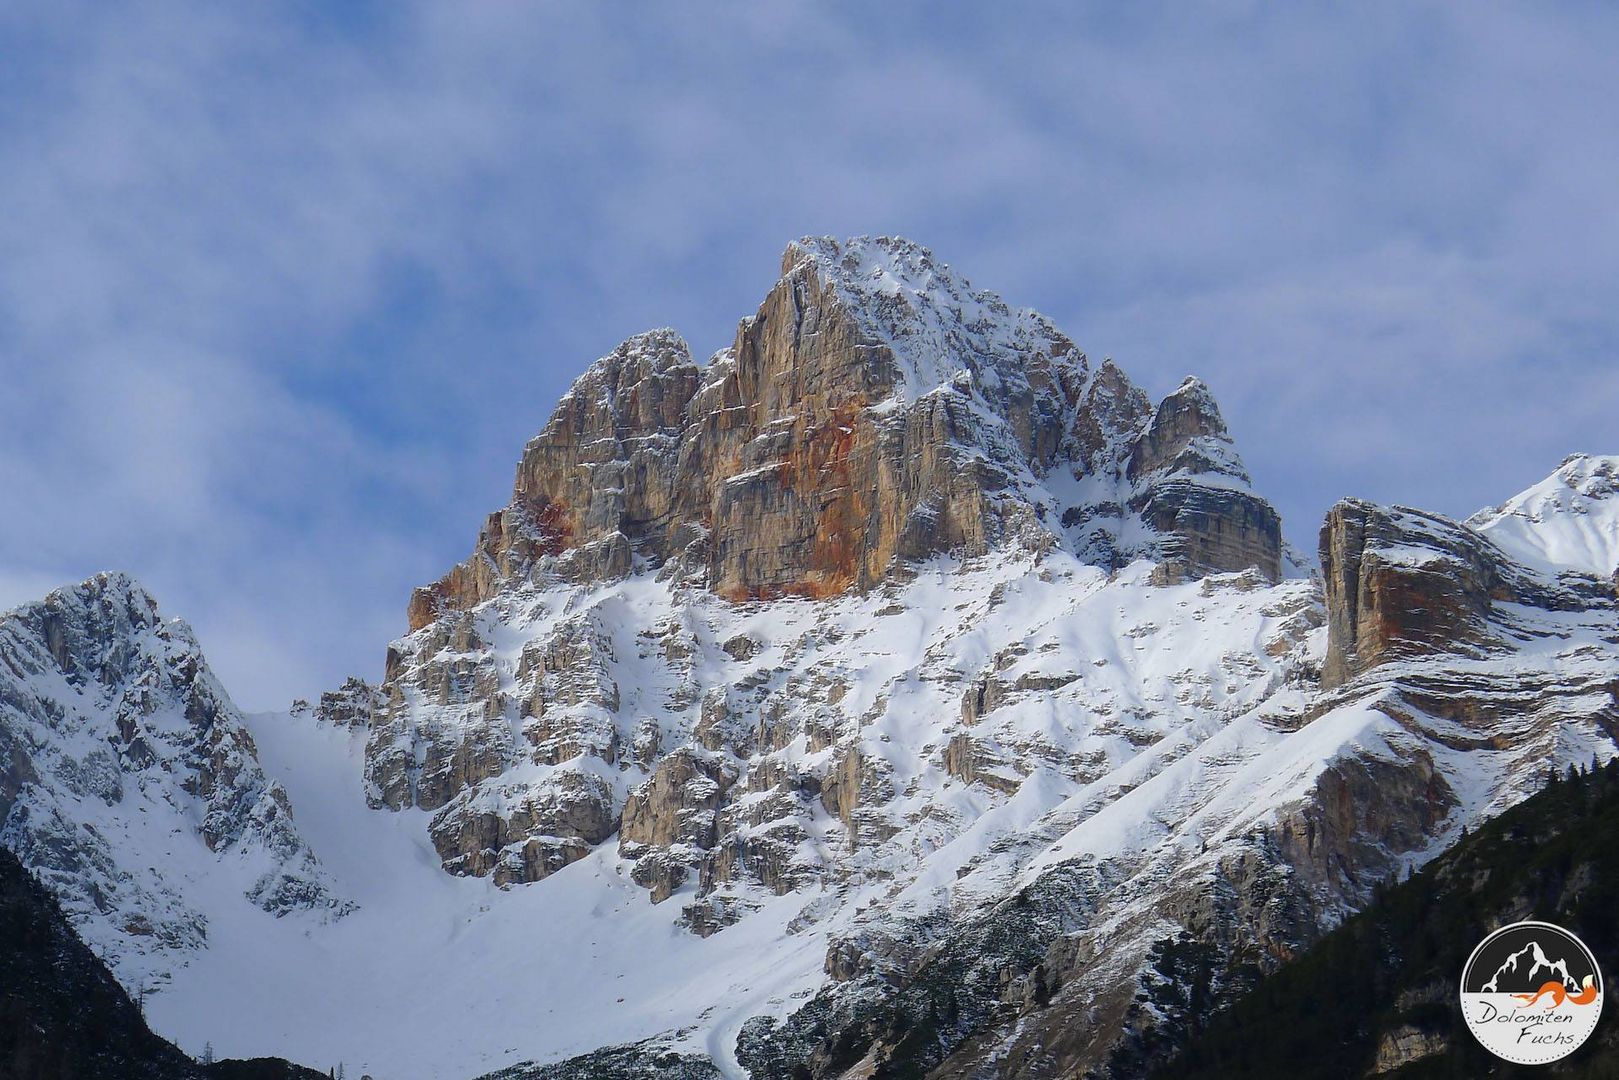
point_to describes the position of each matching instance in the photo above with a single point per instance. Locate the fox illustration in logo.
(1559, 994)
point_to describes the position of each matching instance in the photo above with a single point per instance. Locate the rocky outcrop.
(351, 705)
(448, 727)
(1364, 816)
(595, 485)
(524, 832)
(1191, 487)
(1397, 581)
(678, 804)
(1404, 1044)
(1401, 583)
(974, 762)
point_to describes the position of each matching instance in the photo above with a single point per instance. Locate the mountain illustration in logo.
(1532, 959)
(1510, 967)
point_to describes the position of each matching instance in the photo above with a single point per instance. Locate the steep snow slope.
(440, 976)
(1570, 520)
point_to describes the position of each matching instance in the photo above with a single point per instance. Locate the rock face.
(876, 410)
(452, 721)
(112, 729)
(1405, 1044)
(1193, 490)
(351, 705)
(596, 484)
(1402, 583)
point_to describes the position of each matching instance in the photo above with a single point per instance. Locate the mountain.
(875, 412)
(120, 754)
(1569, 521)
(1377, 996)
(63, 1015)
(893, 695)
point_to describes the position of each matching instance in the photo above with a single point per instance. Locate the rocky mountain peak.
(618, 392)
(937, 330)
(1188, 435)
(875, 409)
(1189, 486)
(87, 627)
(115, 737)
(106, 640)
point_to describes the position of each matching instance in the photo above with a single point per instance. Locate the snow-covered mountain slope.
(435, 975)
(130, 786)
(1137, 758)
(1570, 520)
(1451, 679)
(890, 689)
(1093, 683)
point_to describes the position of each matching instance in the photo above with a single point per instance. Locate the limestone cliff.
(1404, 583)
(875, 409)
(1193, 490)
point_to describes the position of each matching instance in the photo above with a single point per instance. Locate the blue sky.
(285, 288)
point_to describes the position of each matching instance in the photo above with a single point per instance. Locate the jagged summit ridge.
(936, 326)
(1538, 959)
(875, 410)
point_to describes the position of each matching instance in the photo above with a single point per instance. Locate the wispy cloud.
(286, 288)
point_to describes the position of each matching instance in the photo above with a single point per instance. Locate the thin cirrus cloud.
(287, 288)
